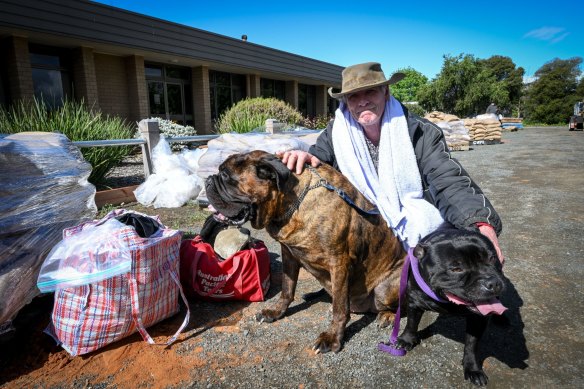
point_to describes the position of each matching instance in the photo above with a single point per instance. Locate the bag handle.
(135, 302)
(236, 265)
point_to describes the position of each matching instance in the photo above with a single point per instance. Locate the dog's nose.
(492, 285)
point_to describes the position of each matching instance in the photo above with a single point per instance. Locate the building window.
(3, 97)
(273, 88)
(307, 100)
(50, 75)
(169, 93)
(226, 89)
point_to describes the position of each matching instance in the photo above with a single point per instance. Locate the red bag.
(243, 276)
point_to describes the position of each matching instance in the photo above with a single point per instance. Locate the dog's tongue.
(485, 308)
(219, 215)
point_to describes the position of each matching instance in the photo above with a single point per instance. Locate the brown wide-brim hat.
(364, 76)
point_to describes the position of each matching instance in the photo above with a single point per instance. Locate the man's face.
(367, 106)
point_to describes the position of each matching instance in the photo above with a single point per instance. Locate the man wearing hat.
(398, 160)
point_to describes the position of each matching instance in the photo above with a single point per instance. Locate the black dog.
(463, 270)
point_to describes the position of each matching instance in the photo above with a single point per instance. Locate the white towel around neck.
(397, 190)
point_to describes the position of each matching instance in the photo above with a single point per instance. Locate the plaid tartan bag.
(86, 318)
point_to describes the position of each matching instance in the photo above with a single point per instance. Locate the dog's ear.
(272, 168)
(419, 251)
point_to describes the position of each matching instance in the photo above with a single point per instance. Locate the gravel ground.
(535, 181)
(129, 172)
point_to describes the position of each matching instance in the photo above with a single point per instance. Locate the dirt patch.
(31, 357)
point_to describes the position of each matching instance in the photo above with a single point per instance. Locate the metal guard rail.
(152, 135)
(194, 138)
(139, 142)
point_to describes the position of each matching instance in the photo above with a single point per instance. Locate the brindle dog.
(355, 256)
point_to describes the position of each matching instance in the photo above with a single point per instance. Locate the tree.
(580, 90)
(505, 72)
(550, 98)
(407, 89)
(464, 87)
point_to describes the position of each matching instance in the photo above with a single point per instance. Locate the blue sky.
(398, 34)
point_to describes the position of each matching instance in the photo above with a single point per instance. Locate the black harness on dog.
(324, 183)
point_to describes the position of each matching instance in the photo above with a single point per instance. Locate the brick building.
(135, 66)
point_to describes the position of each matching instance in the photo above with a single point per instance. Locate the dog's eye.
(456, 269)
(225, 175)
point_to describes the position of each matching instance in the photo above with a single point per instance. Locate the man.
(398, 160)
(492, 108)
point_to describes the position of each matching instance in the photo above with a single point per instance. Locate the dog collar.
(414, 263)
(410, 261)
(296, 204)
(325, 184)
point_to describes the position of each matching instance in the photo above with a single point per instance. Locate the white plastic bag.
(93, 255)
(173, 182)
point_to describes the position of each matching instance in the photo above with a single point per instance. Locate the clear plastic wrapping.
(43, 190)
(227, 144)
(92, 255)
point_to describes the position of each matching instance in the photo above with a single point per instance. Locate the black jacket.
(445, 182)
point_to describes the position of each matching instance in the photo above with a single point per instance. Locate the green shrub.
(249, 113)
(78, 123)
(170, 129)
(317, 123)
(415, 109)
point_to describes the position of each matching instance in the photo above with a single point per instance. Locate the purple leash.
(412, 261)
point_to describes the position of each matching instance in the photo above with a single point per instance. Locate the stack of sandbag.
(44, 189)
(484, 127)
(511, 124)
(455, 132)
(437, 117)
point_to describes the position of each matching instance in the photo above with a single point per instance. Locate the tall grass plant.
(78, 123)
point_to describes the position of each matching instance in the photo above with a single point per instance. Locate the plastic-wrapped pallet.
(222, 147)
(44, 189)
(456, 134)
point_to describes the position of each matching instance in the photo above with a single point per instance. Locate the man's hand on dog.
(488, 231)
(295, 160)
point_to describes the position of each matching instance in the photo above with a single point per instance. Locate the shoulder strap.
(135, 302)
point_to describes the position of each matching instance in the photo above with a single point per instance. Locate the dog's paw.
(326, 342)
(385, 319)
(407, 341)
(268, 315)
(477, 377)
